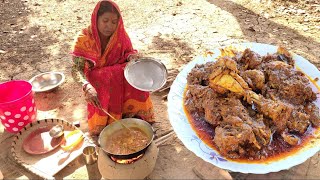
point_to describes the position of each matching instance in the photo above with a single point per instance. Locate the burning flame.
(126, 161)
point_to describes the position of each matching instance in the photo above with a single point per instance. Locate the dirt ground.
(36, 36)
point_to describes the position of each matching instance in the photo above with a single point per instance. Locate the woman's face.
(107, 23)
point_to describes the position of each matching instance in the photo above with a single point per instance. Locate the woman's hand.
(91, 95)
(134, 56)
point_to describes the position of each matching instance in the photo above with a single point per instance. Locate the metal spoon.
(56, 131)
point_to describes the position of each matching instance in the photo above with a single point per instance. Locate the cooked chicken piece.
(296, 92)
(254, 78)
(212, 117)
(283, 115)
(278, 111)
(284, 55)
(298, 122)
(290, 138)
(269, 58)
(261, 131)
(269, 93)
(281, 55)
(197, 75)
(250, 59)
(196, 95)
(289, 84)
(313, 111)
(233, 135)
(216, 108)
(225, 75)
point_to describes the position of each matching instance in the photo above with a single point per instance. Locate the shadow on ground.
(180, 51)
(25, 43)
(257, 28)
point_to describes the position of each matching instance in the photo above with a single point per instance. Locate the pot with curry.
(126, 143)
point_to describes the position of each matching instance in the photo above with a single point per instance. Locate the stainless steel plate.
(46, 81)
(146, 74)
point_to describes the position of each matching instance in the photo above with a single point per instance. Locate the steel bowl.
(46, 81)
(146, 74)
(56, 131)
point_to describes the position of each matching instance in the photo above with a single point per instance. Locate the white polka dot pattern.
(23, 109)
(26, 117)
(11, 121)
(17, 116)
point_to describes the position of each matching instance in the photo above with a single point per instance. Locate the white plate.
(189, 138)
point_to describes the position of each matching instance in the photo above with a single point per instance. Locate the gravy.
(123, 142)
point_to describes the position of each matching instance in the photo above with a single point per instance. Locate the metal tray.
(146, 74)
(40, 142)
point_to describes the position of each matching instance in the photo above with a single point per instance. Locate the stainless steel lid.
(146, 74)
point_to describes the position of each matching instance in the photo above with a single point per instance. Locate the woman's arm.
(79, 76)
(78, 70)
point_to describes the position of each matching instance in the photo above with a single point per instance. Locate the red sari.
(107, 76)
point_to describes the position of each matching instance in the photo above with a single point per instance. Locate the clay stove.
(136, 168)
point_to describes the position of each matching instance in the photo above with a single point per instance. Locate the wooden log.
(164, 97)
(163, 89)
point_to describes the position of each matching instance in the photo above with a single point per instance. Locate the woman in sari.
(100, 54)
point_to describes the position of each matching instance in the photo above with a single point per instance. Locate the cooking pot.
(116, 126)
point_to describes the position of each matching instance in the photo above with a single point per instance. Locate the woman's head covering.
(88, 45)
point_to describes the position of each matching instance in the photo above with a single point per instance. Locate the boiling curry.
(123, 142)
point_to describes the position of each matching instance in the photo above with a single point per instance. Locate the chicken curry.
(250, 106)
